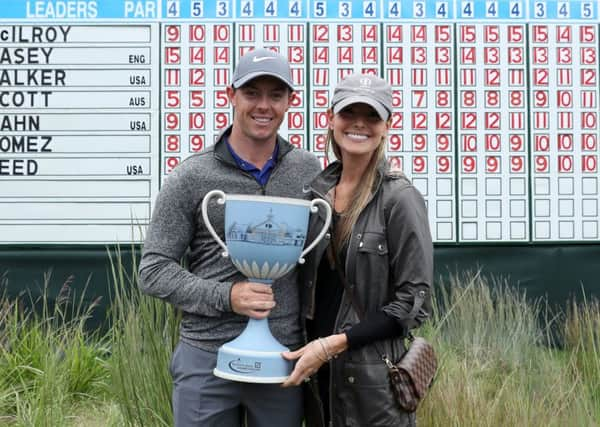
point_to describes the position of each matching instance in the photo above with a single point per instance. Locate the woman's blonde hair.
(363, 191)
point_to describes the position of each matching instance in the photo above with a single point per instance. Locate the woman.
(380, 235)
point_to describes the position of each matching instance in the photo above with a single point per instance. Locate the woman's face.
(358, 130)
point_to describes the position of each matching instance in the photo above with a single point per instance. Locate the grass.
(500, 362)
(500, 365)
(143, 335)
(49, 363)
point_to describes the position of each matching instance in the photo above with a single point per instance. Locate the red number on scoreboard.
(564, 55)
(419, 99)
(515, 33)
(419, 164)
(197, 33)
(172, 143)
(419, 142)
(492, 164)
(491, 33)
(221, 120)
(442, 142)
(173, 98)
(442, 55)
(172, 55)
(394, 33)
(320, 142)
(443, 120)
(419, 121)
(173, 33)
(588, 55)
(197, 77)
(297, 140)
(221, 99)
(395, 142)
(492, 98)
(468, 120)
(542, 142)
(492, 142)
(491, 55)
(469, 142)
(418, 33)
(369, 33)
(588, 77)
(542, 164)
(540, 76)
(469, 164)
(295, 120)
(197, 120)
(515, 55)
(517, 164)
(467, 34)
(172, 121)
(565, 164)
(344, 33)
(442, 34)
(540, 34)
(442, 98)
(197, 55)
(196, 99)
(171, 163)
(196, 143)
(492, 120)
(321, 33)
(589, 142)
(221, 33)
(589, 163)
(587, 34)
(444, 164)
(517, 142)
(418, 55)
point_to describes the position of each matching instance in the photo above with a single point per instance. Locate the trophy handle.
(209, 227)
(314, 208)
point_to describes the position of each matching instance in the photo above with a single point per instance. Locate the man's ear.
(231, 95)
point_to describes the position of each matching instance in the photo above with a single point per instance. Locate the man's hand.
(252, 299)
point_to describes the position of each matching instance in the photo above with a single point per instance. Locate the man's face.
(260, 106)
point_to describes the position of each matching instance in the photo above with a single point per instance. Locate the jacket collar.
(330, 176)
(222, 152)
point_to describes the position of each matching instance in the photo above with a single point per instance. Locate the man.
(248, 158)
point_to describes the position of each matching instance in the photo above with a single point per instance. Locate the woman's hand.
(312, 356)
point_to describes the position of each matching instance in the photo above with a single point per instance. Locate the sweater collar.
(223, 153)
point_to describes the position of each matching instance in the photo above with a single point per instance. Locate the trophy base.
(252, 357)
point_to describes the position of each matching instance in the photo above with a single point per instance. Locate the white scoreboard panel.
(495, 121)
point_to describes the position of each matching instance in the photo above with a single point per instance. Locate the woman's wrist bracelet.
(324, 346)
(319, 355)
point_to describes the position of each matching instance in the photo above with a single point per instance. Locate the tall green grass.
(582, 338)
(48, 361)
(500, 365)
(144, 333)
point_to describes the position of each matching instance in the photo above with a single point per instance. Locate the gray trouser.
(202, 400)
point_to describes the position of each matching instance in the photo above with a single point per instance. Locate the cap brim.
(245, 79)
(361, 99)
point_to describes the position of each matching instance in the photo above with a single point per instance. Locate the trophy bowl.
(265, 238)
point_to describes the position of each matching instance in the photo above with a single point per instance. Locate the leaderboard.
(495, 106)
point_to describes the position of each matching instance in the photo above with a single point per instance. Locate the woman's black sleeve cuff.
(377, 326)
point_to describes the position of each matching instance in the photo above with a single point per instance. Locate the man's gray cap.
(363, 88)
(262, 62)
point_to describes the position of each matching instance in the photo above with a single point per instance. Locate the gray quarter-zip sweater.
(202, 288)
